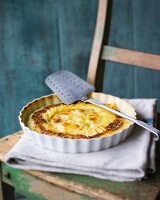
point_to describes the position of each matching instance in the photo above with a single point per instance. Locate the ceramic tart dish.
(76, 128)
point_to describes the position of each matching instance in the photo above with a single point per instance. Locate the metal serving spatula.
(70, 88)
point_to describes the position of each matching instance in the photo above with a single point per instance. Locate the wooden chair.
(43, 185)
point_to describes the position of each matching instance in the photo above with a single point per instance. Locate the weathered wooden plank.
(8, 142)
(78, 187)
(131, 57)
(89, 186)
(97, 42)
(103, 189)
(33, 181)
(35, 188)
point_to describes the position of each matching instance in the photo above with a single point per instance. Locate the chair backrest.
(101, 52)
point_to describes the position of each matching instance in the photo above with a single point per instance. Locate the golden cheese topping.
(75, 121)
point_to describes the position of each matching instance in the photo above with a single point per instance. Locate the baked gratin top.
(76, 121)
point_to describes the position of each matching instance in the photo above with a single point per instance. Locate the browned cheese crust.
(39, 120)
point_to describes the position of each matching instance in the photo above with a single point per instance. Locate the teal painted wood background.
(38, 37)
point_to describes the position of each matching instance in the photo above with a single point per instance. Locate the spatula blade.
(67, 86)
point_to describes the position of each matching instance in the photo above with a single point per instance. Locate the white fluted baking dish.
(67, 145)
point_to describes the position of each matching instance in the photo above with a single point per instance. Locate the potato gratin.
(76, 121)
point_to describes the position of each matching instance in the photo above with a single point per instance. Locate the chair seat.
(44, 185)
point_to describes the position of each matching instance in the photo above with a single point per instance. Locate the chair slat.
(97, 42)
(131, 57)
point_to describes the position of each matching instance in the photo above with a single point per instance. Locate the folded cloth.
(128, 161)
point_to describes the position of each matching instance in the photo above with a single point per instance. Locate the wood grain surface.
(136, 58)
(97, 41)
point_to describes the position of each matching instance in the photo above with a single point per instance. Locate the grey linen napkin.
(128, 161)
